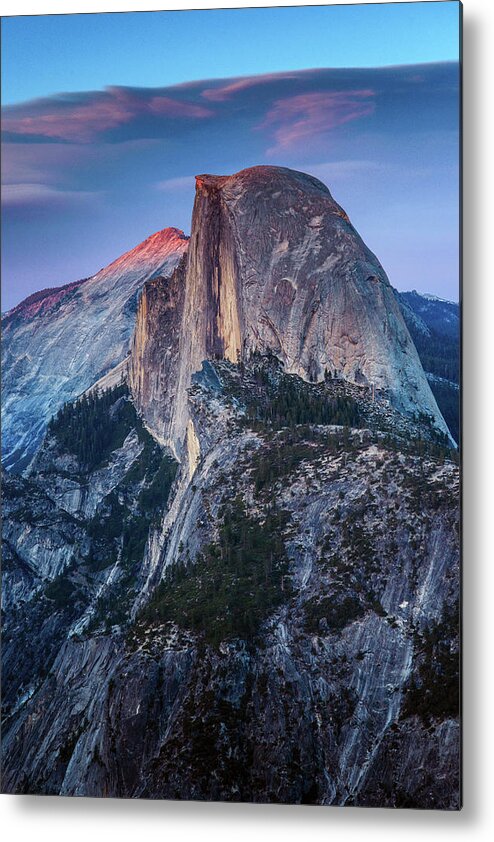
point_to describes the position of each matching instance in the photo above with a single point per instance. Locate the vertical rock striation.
(154, 359)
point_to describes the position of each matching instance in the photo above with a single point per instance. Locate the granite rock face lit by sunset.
(231, 541)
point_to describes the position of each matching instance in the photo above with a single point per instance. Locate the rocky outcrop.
(79, 492)
(38, 539)
(274, 263)
(318, 665)
(73, 540)
(58, 343)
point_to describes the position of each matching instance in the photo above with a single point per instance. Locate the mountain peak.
(58, 342)
(148, 257)
(158, 246)
(430, 297)
(165, 235)
(275, 266)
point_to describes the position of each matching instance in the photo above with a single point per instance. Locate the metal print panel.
(231, 456)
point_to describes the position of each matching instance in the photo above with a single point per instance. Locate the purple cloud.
(297, 119)
(54, 144)
(86, 174)
(82, 118)
(224, 92)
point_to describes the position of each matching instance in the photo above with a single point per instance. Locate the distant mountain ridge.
(436, 313)
(434, 326)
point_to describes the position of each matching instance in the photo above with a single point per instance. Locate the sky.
(107, 118)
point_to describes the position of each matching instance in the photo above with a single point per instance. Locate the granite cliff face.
(231, 568)
(153, 365)
(59, 342)
(274, 263)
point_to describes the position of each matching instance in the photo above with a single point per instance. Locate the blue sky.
(90, 173)
(47, 54)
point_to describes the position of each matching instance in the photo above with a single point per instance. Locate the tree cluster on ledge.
(233, 584)
(82, 427)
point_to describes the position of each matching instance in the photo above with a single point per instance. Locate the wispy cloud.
(39, 195)
(223, 92)
(30, 162)
(83, 117)
(297, 119)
